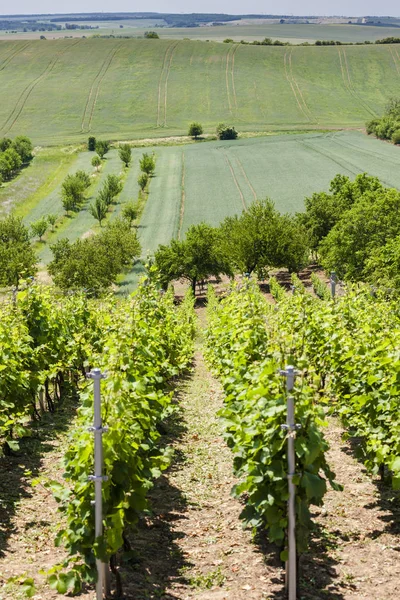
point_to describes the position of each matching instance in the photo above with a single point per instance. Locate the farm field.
(58, 92)
(205, 181)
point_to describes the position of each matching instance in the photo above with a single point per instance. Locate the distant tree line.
(270, 42)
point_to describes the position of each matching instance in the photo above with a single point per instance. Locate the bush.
(371, 126)
(91, 144)
(226, 132)
(151, 35)
(396, 137)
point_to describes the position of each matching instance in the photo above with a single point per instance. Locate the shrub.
(195, 129)
(396, 137)
(226, 132)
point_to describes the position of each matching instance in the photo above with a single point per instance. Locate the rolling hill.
(63, 90)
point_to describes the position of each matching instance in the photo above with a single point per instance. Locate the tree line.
(13, 155)
(388, 126)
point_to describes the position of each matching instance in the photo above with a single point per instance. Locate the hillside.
(59, 91)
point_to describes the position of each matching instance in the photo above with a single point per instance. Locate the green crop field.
(205, 181)
(58, 92)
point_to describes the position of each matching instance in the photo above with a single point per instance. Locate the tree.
(91, 144)
(226, 132)
(98, 209)
(151, 35)
(113, 185)
(17, 257)
(72, 191)
(5, 143)
(143, 180)
(195, 129)
(102, 148)
(147, 163)
(105, 196)
(39, 227)
(194, 259)
(130, 212)
(94, 263)
(23, 146)
(52, 219)
(125, 154)
(96, 162)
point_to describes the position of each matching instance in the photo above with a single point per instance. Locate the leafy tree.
(91, 144)
(226, 132)
(195, 129)
(194, 259)
(84, 178)
(125, 154)
(39, 227)
(114, 185)
(98, 210)
(372, 222)
(73, 190)
(105, 196)
(130, 212)
(143, 180)
(94, 263)
(23, 146)
(385, 127)
(147, 163)
(17, 257)
(52, 219)
(151, 35)
(102, 148)
(96, 162)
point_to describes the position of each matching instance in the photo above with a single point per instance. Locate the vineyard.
(344, 350)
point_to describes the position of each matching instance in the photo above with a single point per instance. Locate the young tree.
(194, 259)
(102, 148)
(143, 180)
(91, 144)
(39, 227)
(96, 162)
(98, 210)
(52, 219)
(195, 129)
(105, 196)
(72, 192)
(113, 185)
(125, 154)
(147, 163)
(17, 257)
(129, 212)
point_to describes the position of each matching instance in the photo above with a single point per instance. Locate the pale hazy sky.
(297, 7)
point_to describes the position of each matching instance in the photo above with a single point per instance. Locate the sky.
(302, 7)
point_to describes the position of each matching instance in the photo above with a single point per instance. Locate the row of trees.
(14, 154)
(388, 126)
(224, 132)
(259, 239)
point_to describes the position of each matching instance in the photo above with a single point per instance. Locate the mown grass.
(60, 91)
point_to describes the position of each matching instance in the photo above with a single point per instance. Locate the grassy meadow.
(58, 92)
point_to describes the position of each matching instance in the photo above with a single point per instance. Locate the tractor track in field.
(166, 82)
(370, 153)
(349, 84)
(306, 107)
(228, 70)
(97, 81)
(163, 82)
(233, 75)
(289, 80)
(253, 191)
(328, 155)
(183, 198)
(390, 49)
(23, 98)
(9, 59)
(228, 162)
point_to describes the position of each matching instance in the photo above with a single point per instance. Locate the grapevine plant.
(246, 348)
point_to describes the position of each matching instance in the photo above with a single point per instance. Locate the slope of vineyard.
(58, 91)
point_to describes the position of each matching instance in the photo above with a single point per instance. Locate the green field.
(205, 181)
(58, 92)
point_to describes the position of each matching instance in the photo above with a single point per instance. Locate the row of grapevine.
(247, 348)
(47, 345)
